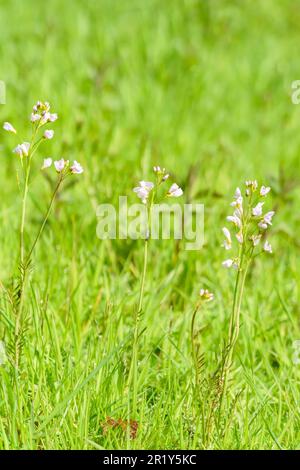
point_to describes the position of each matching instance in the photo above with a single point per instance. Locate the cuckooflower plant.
(149, 193)
(25, 151)
(249, 228)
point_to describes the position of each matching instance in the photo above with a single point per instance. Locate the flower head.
(7, 126)
(267, 247)
(48, 134)
(206, 295)
(76, 168)
(47, 163)
(255, 239)
(235, 219)
(60, 165)
(257, 210)
(264, 190)
(227, 242)
(175, 191)
(230, 263)
(143, 190)
(35, 117)
(268, 217)
(22, 149)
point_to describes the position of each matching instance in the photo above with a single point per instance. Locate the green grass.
(202, 88)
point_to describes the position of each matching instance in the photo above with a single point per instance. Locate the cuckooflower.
(60, 165)
(22, 149)
(267, 247)
(47, 163)
(76, 168)
(35, 117)
(143, 190)
(235, 220)
(257, 210)
(228, 263)
(255, 239)
(206, 295)
(264, 190)
(175, 191)
(227, 242)
(240, 237)
(48, 134)
(7, 126)
(268, 217)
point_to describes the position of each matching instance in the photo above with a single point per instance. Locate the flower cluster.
(41, 116)
(249, 222)
(206, 295)
(63, 165)
(146, 187)
(41, 113)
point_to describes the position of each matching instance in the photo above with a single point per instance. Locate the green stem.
(60, 180)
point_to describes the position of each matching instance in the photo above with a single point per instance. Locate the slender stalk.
(24, 267)
(133, 372)
(60, 180)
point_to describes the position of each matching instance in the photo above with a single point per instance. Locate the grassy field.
(202, 88)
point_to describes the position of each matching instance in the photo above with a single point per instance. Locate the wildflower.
(228, 263)
(76, 168)
(35, 117)
(264, 190)
(227, 242)
(143, 190)
(206, 295)
(240, 237)
(157, 169)
(7, 126)
(252, 184)
(268, 217)
(257, 210)
(48, 134)
(235, 220)
(47, 163)
(175, 191)
(267, 247)
(238, 199)
(22, 149)
(53, 117)
(255, 239)
(262, 225)
(60, 165)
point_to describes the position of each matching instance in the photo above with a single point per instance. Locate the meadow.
(202, 88)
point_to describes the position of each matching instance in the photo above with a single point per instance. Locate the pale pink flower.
(47, 163)
(53, 117)
(235, 220)
(35, 117)
(60, 165)
(7, 126)
(175, 191)
(48, 134)
(257, 210)
(227, 242)
(76, 168)
(143, 190)
(206, 295)
(264, 190)
(267, 247)
(268, 217)
(22, 149)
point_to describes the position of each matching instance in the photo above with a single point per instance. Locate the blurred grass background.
(204, 89)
